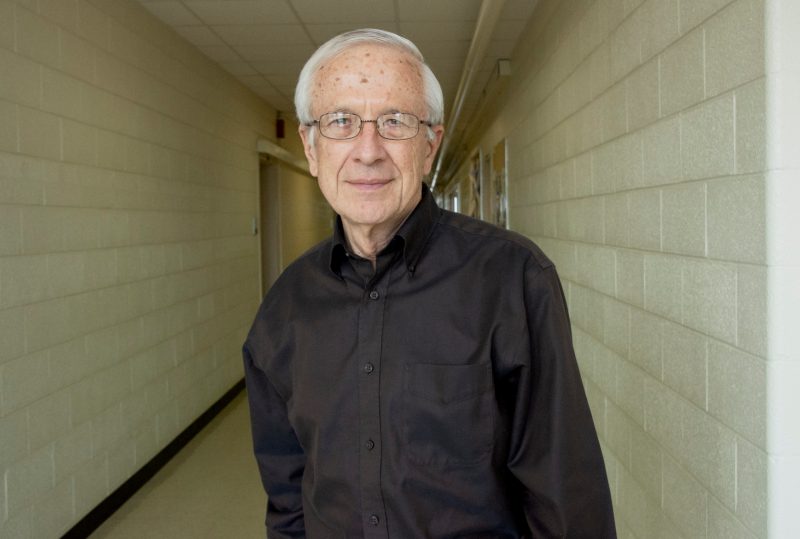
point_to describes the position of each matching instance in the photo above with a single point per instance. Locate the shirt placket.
(370, 332)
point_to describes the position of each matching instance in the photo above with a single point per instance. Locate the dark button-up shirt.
(434, 396)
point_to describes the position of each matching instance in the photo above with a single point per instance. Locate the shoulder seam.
(505, 239)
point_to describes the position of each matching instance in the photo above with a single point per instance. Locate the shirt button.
(370, 445)
(368, 368)
(374, 295)
(374, 520)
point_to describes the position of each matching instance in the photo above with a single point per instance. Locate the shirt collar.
(413, 234)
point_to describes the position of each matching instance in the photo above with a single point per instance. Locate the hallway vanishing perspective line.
(211, 489)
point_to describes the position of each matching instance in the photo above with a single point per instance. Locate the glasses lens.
(346, 125)
(398, 125)
(339, 125)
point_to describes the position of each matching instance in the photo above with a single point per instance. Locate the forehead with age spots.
(368, 66)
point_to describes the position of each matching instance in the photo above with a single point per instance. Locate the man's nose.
(369, 144)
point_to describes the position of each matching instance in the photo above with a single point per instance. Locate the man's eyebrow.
(394, 110)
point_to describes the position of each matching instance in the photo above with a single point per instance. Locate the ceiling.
(264, 43)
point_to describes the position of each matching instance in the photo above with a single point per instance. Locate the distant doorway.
(270, 225)
(294, 216)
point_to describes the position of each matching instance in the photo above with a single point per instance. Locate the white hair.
(431, 89)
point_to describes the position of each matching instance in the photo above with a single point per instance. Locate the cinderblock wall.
(637, 147)
(128, 271)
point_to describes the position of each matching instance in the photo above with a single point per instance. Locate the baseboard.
(89, 523)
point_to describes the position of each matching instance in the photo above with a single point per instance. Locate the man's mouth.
(371, 184)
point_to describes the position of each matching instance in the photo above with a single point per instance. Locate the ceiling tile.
(285, 89)
(262, 34)
(509, 29)
(481, 78)
(274, 97)
(489, 63)
(282, 81)
(518, 9)
(321, 33)
(220, 54)
(446, 78)
(446, 68)
(449, 92)
(283, 104)
(265, 89)
(500, 48)
(265, 43)
(275, 53)
(450, 87)
(438, 30)
(238, 68)
(199, 35)
(172, 13)
(242, 11)
(279, 68)
(254, 80)
(438, 10)
(444, 50)
(355, 12)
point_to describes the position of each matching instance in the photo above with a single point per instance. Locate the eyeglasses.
(346, 125)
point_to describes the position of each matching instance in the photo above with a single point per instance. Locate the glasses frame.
(362, 121)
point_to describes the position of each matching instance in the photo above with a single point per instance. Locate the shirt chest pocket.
(448, 413)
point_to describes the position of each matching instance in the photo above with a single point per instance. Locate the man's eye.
(392, 122)
(340, 121)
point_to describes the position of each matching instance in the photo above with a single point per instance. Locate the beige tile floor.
(210, 489)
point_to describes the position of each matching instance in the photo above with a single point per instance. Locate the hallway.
(210, 489)
(152, 183)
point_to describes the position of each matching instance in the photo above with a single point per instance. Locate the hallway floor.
(211, 489)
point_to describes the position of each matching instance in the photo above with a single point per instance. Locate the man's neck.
(367, 241)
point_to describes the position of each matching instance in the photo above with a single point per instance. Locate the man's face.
(368, 180)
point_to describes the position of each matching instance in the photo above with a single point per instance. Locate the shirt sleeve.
(554, 450)
(280, 457)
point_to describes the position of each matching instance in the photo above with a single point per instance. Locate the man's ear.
(309, 149)
(432, 146)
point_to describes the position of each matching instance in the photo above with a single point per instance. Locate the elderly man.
(413, 376)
